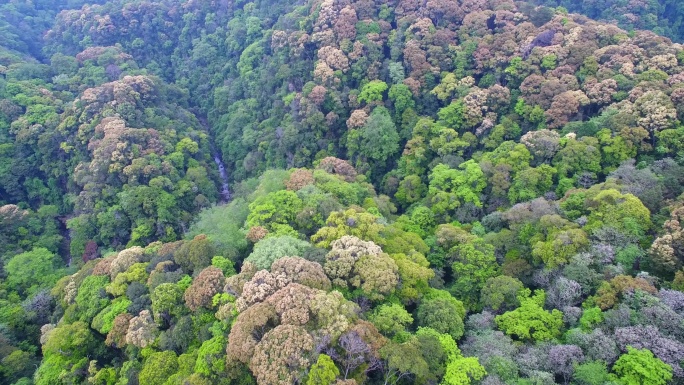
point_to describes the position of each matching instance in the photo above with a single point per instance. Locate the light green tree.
(27, 272)
(450, 188)
(463, 370)
(453, 115)
(211, 357)
(401, 97)
(167, 299)
(530, 321)
(591, 373)
(268, 250)
(323, 372)
(158, 367)
(391, 319)
(277, 208)
(460, 370)
(91, 297)
(641, 367)
(475, 263)
(531, 183)
(372, 91)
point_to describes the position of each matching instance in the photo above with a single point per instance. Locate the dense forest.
(664, 17)
(341, 192)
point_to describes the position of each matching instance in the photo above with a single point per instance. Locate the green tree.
(531, 183)
(167, 299)
(378, 139)
(559, 246)
(401, 97)
(411, 189)
(453, 115)
(323, 372)
(591, 373)
(530, 321)
(222, 226)
(463, 370)
(440, 311)
(641, 367)
(501, 293)
(474, 264)
(277, 208)
(28, 272)
(104, 320)
(211, 357)
(450, 188)
(372, 91)
(459, 370)
(624, 212)
(590, 318)
(195, 254)
(91, 297)
(158, 367)
(404, 360)
(270, 249)
(73, 340)
(391, 319)
(353, 221)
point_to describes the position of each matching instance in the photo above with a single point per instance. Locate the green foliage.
(475, 264)
(549, 62)
(530, 321)
(463, 371)
(391, 319)
(104, 320)
(531, 183)
(640, 366)
(411, 189)
(158, 367)
(501, 293)
(453, 115)
(443, 313)
(91, 297)
(166, 299)
(222, 224)
(624, 212)
(225, 264)
(73, 340)
(378, 139)
(590, 318)
(591, 373)
(460, 370)
(196, 254)
(211, 358)
(450, 188)
(401, 97)
(135, 273)
(354, 222)
(372, 91)
(323, 372)
(30, 271)
(270, 249)
(277, 208)
(113, 117)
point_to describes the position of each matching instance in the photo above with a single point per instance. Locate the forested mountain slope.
(663, 17)
(449, 192)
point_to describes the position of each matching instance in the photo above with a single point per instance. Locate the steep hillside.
(663, 17)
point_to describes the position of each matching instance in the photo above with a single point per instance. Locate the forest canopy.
(341, 192)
